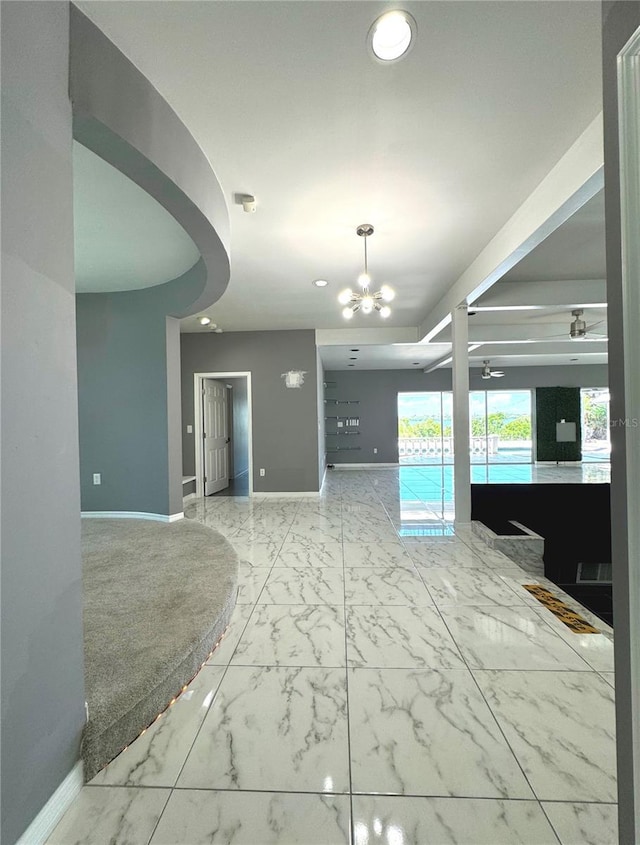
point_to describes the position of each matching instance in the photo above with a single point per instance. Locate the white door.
(216, 437)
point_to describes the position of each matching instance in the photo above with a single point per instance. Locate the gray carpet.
(157, 598)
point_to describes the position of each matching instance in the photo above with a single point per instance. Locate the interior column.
(462, 461)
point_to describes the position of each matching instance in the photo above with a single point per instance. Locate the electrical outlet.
(86, 712)
(375, 450)
(97, 478)
(263, 472)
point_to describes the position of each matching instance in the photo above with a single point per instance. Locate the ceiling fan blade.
(543, 314)
(548, 337)
(593, 325)
(497, 373)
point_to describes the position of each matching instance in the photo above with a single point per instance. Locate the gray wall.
(284, 421)
(620, 20)
(129, 397)
(322, 452)
(377, 391)
(240, 435)
(42, 653)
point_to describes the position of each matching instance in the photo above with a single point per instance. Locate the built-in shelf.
(341, 425)
(341, 401)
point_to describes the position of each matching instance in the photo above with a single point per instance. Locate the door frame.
(198, 379)
(626, 577)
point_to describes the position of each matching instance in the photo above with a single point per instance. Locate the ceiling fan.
(487, 372)
(579, 328)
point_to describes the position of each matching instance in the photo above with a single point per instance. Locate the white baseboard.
(44, 823)
(287, 494)
(154, 517)
(364, 466)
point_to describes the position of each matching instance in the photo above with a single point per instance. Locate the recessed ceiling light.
(573, 359)
(351, 365)
(355, 350)
(391, 36)
(204, 321)
(320, 283)
(353, 359)
(416, 363)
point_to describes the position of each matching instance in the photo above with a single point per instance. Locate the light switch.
(189, 429)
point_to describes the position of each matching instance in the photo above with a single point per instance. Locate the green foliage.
(408, 427)
(477, 427)
(595, 419)
(495, 422)
(518, 429)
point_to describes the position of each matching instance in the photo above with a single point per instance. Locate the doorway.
(223, 437)
(596, 426)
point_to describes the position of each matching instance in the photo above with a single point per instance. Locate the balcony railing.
(443, 446)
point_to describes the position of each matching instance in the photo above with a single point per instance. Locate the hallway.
(376, 685)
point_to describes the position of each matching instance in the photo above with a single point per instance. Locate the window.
(500, 423)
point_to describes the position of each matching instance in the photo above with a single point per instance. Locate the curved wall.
(121, 117)
(128, 342)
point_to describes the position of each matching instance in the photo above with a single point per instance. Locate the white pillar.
(462, 461)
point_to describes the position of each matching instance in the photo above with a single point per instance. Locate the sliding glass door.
(596, 441)
(500, 427)
(501, 430)
(425, 428)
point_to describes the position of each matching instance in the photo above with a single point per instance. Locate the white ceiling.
(124, 239)
(574, 251)
(375, 356)
(436, 151)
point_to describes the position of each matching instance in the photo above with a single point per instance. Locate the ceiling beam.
(567, 293)
(574, 180)
(447, 359)
(526, 350)
(518, 333)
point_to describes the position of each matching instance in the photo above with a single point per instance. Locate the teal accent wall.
(554, 404)
(128, 354)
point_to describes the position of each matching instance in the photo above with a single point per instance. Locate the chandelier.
(367, 301)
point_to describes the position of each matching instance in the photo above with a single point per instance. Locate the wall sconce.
(294, 378)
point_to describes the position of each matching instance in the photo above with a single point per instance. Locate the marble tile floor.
(373, 687)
